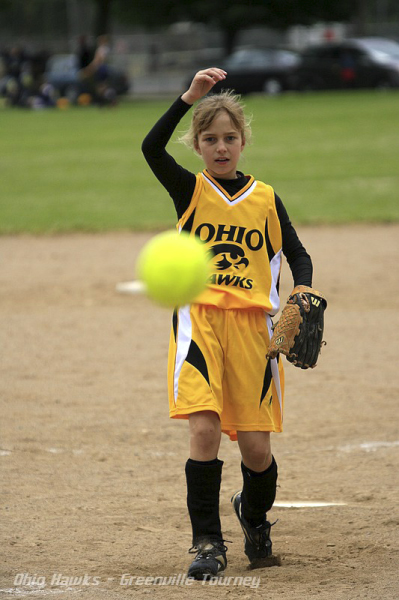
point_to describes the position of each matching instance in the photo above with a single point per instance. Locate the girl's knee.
(257, 458)
(204, 425)
(256, 451)
(205, 430)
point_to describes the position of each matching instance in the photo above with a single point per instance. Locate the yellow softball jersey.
(243, 236)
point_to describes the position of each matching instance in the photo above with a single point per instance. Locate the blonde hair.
(206, 110)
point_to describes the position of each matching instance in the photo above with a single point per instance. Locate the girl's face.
(220, 146)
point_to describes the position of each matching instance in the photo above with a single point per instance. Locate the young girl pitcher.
(219, 377)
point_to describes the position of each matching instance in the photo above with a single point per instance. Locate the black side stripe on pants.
(197, 360)
(174, 324)
(267, 380)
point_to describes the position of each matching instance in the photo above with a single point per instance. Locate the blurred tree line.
(45, 16)
(236, 15)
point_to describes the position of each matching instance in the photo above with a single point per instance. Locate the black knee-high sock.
(203, 488)
(258, 492)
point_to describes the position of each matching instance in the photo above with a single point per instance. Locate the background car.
(257, 70)
(353, 63)
(63, 73)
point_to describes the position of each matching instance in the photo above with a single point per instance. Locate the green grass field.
(332, 158)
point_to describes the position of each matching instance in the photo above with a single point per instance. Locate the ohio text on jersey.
(243, 237)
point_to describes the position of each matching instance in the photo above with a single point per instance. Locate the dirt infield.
(93, 494)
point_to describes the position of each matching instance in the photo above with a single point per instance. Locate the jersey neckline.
(220, 189)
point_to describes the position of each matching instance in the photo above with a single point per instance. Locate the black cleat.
(210, 560)
(258, 545)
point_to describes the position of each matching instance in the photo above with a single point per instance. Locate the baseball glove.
(299, 332)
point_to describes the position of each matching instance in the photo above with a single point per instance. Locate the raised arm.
(179, 182)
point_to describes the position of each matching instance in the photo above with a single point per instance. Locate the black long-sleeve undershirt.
(180, 184)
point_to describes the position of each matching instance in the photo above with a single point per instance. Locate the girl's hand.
(202, 83)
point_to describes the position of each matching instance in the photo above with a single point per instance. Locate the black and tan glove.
(299, 331)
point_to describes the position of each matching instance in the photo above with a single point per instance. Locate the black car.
(350, 64)
(257, 70)
(63, 73)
